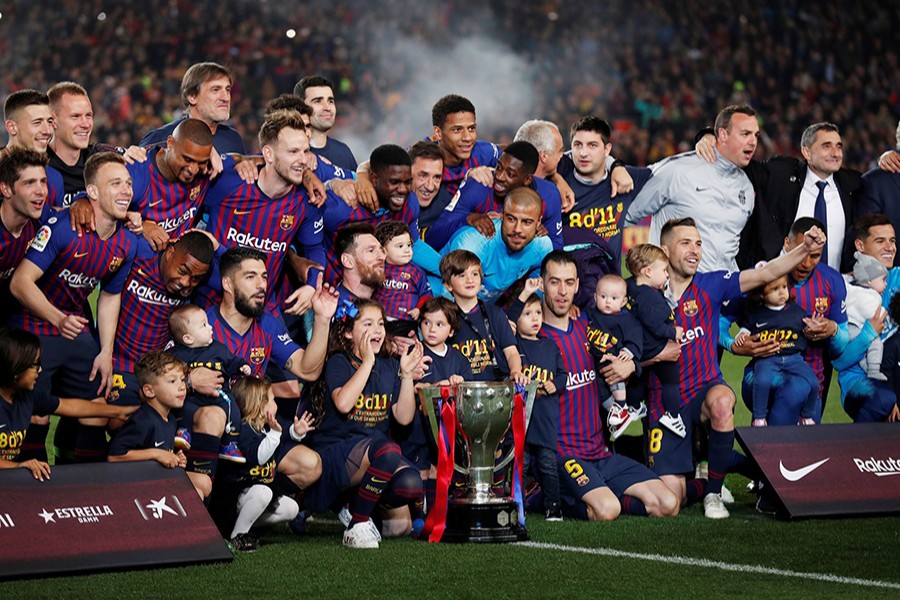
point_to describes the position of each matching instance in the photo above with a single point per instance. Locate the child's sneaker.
(553, 513)
(640, 412)
(617, 415)
(807, 421)
(231, 452)
(182, 440)
(759, 423)
(361, 535)
(673, 423)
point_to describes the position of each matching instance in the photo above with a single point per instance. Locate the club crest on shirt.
(195, 191)
(115, 262)
(405, 276)
(690, 308)
(40, 240)
(257, 355)
(287, 221)
(821, 305)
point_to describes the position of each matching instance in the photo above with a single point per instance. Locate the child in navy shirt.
(772, 314)
(194, 344)
(614, 334)
(650, 267)
(244, 495)
(150, 432)
(544, 364)
(405, 288)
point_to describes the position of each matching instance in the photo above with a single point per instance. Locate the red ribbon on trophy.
(437, 516)
(518, 427)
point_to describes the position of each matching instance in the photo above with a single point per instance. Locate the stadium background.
(657, 70)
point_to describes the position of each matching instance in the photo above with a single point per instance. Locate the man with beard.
(477, 205)
(391, 176)
(595, 484)
(362, 261)
(269, 214)
(206, 94)
(157, 285)
(171, 185)
(705, 397)
(516, 252)
(318, 93)
(255, 335)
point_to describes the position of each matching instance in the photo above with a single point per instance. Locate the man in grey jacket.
(718, 196)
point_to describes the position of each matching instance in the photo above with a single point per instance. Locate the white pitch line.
(713, 564)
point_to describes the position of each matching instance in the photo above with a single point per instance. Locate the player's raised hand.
(814, 238)
(300, 300)
(325, 300)
(410, 360)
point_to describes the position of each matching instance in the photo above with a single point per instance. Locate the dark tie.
(821, 214)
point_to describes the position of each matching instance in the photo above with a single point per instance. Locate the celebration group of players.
(263, 321)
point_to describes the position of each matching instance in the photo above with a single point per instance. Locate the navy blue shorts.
(578, 476)
(66, 366)
(668, 454)
(125, 390)
(322, 495)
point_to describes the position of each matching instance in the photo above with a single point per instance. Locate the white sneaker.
(727, 496)
(713, 507)
(640, 412)
(617, 415)
(361, 536)
(673, 423)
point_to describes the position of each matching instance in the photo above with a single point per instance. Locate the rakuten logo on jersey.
(174, 223)
(148, 295)
(880, 467)
(78, 280)
(393, 284)
(579, 380)
(693, 334)
(251, 241)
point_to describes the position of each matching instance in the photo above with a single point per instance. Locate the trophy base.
(497, 522)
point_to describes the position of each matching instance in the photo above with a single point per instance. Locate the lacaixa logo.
(157, 509)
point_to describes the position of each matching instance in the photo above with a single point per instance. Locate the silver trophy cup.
(484, 414)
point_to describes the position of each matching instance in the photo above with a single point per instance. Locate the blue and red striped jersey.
(266, 339)
(698, 314)
(73, 266)
(580, 427)
(403, 289)
(12, 248)
(240, 214)
(172, 206)
(823, 293)
(56, 192)
(473, 197)
(484, 154)
(337, 214)
(146, 308)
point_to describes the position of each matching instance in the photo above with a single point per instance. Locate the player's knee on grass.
(661, 501)
(675, 484)
(202, 483)
(210, 420)
(302, 465)
(602, 505)
(396, 522)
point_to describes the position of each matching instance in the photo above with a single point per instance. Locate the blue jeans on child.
(795, 385)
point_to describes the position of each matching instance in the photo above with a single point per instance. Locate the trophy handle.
(530, 393)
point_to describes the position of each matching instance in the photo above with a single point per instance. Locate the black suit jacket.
(879, 192)
(778, 183)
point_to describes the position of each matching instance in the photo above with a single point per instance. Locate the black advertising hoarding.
(103, 516)
(829, 469)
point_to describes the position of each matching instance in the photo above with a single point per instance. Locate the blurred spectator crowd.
(658, 71)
